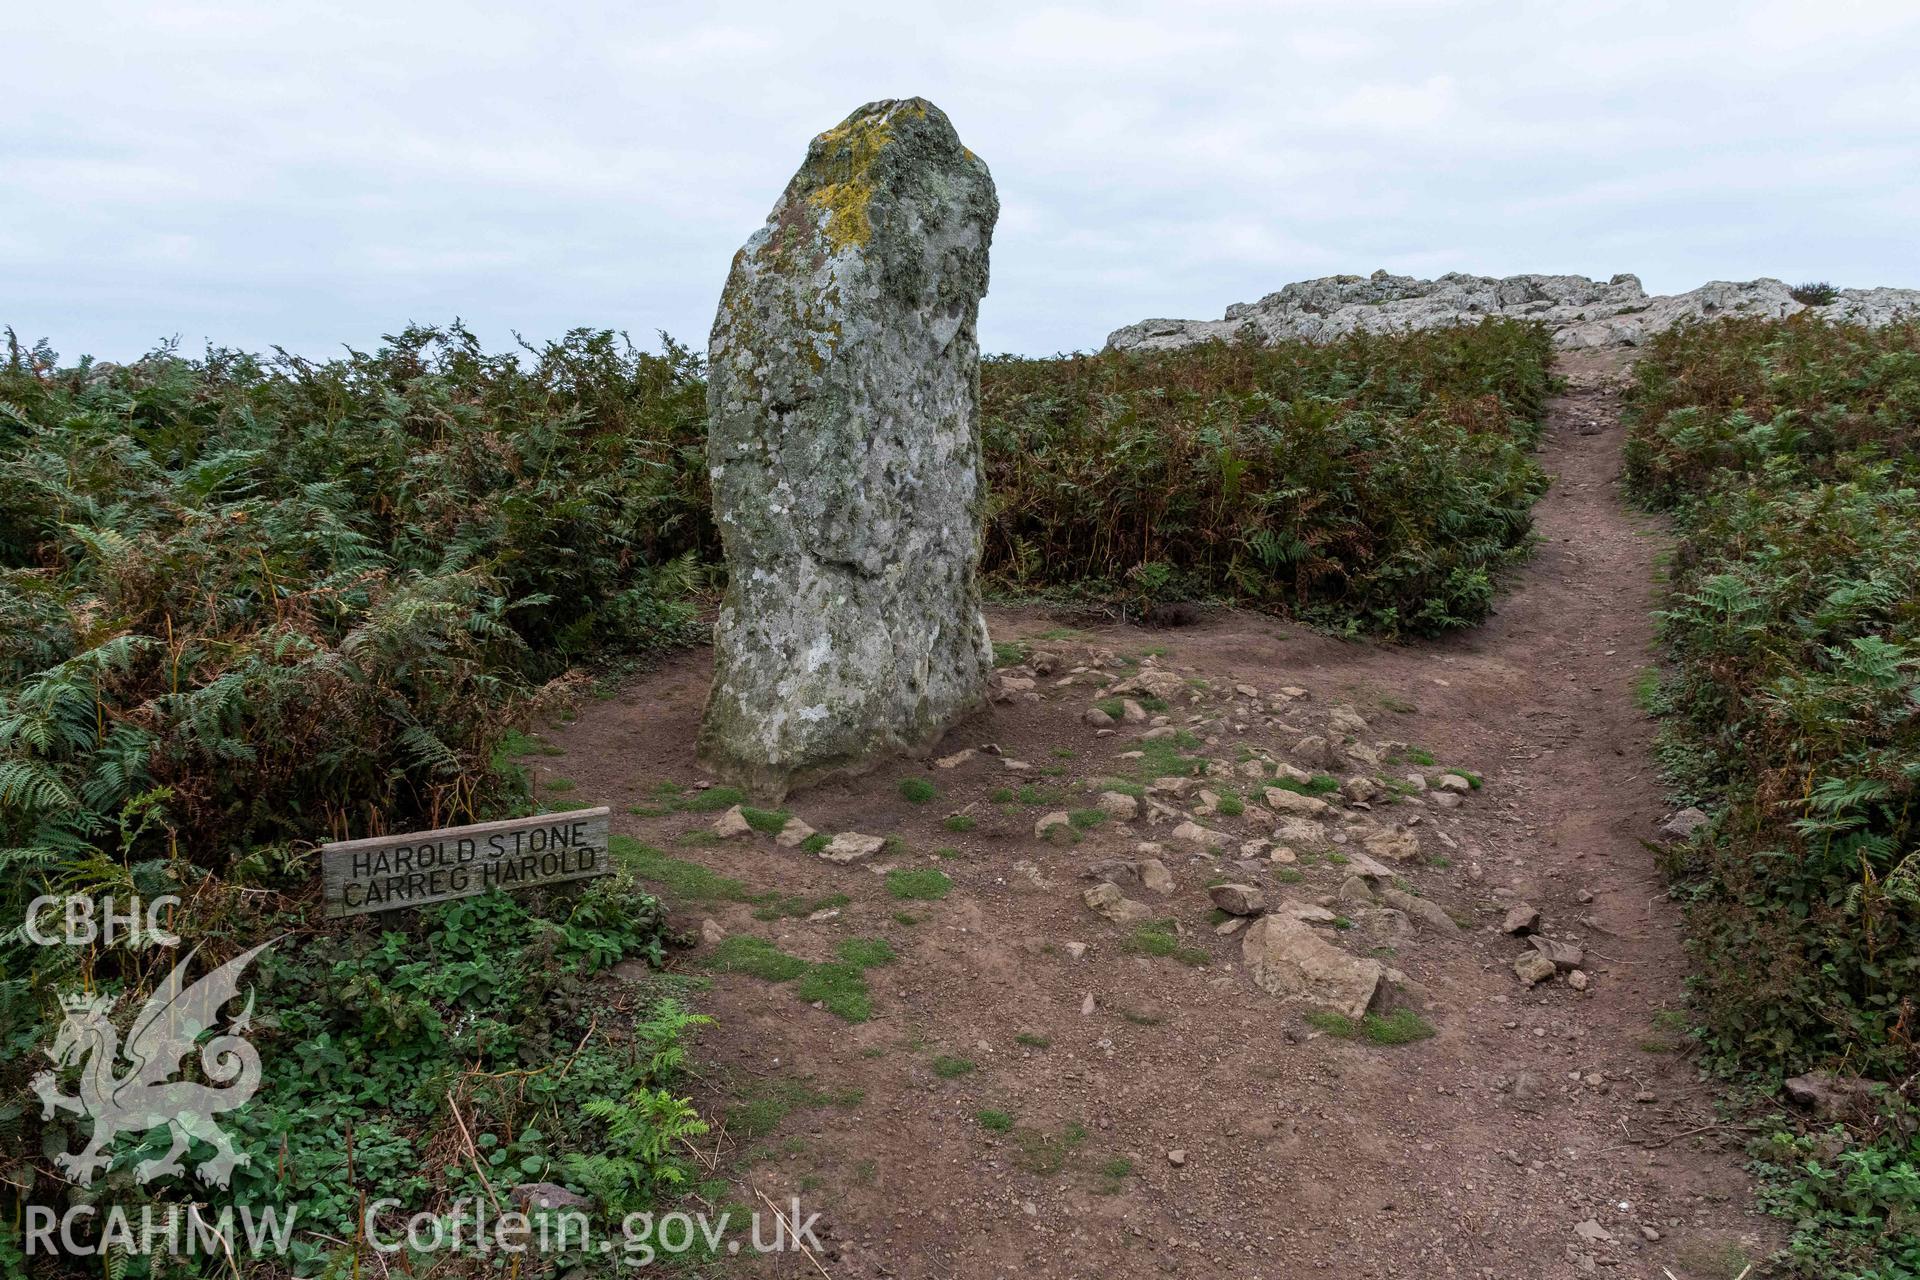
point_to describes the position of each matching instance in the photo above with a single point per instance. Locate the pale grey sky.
(318, 172)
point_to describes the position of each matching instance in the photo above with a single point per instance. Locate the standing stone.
(844, 450)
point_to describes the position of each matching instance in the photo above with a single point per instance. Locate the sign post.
(387, 873)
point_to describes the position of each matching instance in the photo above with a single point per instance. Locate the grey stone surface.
(1682, 824)
(844, 450)
(1581, 312)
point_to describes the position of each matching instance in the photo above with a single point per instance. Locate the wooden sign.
(388, 873)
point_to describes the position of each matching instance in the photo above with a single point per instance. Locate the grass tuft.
(925, 884)
(1158, 939)
(757, 958)
(1402, 1026)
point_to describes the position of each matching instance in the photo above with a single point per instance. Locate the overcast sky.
(319, 172)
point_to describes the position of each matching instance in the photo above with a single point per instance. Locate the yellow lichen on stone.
(846, 206)
(847, 153)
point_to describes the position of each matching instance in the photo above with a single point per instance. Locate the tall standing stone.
(844, 449)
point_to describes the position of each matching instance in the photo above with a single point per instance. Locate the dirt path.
(984, 1123)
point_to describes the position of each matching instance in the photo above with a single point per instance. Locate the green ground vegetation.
(1788, 455)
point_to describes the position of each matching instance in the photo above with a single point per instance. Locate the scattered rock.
(1453, 782)
(1231, 925)
(732, 824)
(1426, 912)
(793, 834)
(1563, 954)
(1316, 752)
(1293, 830)
(1305, 912)
(1120, 871)
(1047, 822)
(851, 846)
(711, 932)
(1521, 918)
(1359, 864)
(955, 760)
(1397, 844)
(633, 970)
(1360, 789)
(1153, 683)
(1682, 825)
(1095, 716)
(1342, 718)
(1592, 1232)
(1385, 925)
(1075, 950)
(1281, 800)
(1287, 958)
(1829, 1096)
(1355, 889)
(1418, 781)
(1445, 800)
(1086, 1004)
(1578, 979)
(1194, 833)
(1004, 686)
(1132, 712)
(531, 1196)
(1238, 899)
(1154, 876)
(1107, 900)
(1177, 1158)
(1533, 968)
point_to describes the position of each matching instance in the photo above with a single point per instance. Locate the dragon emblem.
(145, 1095)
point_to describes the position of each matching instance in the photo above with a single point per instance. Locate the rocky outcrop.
(844, 450)
(1581, 312)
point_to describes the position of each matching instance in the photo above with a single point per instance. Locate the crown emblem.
(81, 1002)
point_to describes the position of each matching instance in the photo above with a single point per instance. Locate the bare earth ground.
(1484, 1151)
